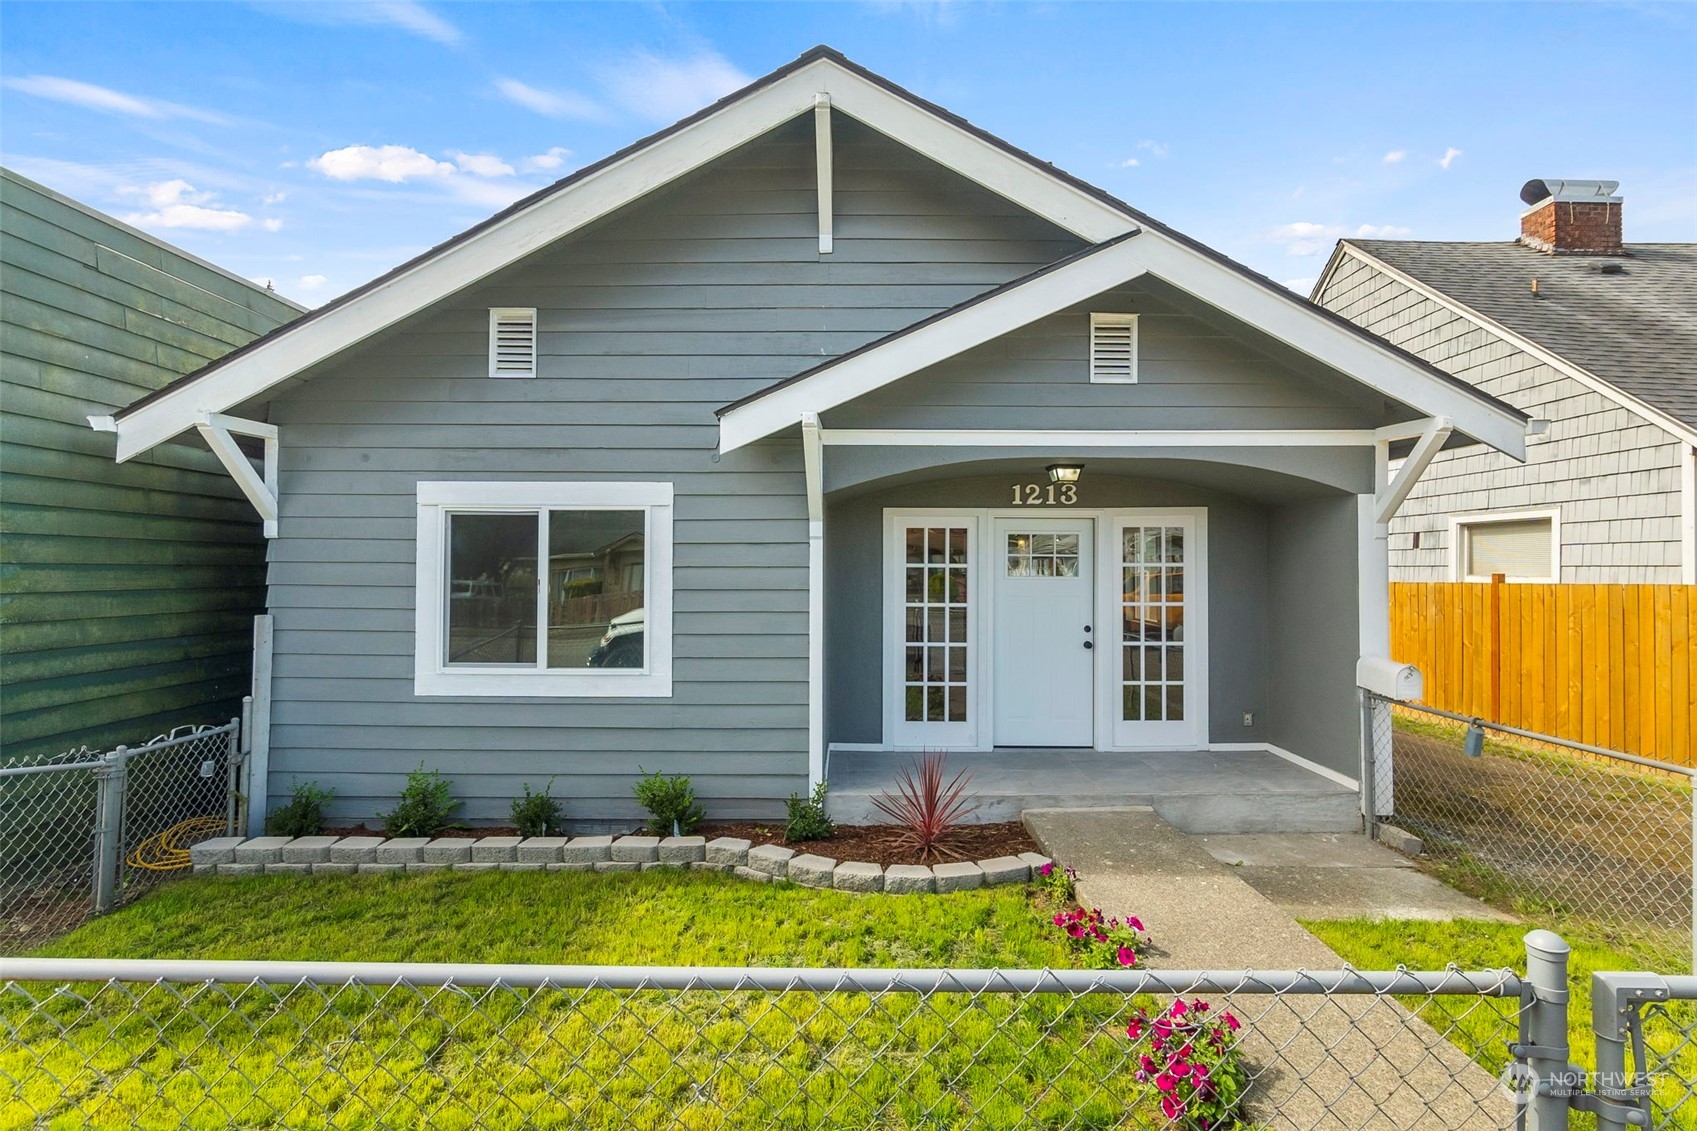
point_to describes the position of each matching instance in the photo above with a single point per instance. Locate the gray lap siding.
(699, 295)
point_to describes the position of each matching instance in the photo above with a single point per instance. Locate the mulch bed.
(873, 844)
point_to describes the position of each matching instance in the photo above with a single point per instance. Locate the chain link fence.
(1646, 1032)
(1540, 825)
(202, 1044)
(81, 832)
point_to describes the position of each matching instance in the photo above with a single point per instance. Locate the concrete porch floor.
(1204, 791)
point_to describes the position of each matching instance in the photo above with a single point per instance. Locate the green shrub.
(302, 814)
(536, 814)
(807, 819)
(670, 802)
(424, 807)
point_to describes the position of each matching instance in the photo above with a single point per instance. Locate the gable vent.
(1113, 348)
(512, 342)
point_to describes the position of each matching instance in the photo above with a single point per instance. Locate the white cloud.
(1130, 163)
(481, 164)
(1300, 189)
(546, 162)
(488, 194)
(106, 100)
(274, 198)
(1157, 148)
(1301, 286)
(664, 90)
(272, 224)
(392, 163)
(313, 282)
(407, 15)
(1306, 238)
(1394, 156)
(176, 204)
(552, 103)
(1449, 157)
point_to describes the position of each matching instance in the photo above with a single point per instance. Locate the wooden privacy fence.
(1609, 665)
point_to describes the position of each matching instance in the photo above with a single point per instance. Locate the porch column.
(813, 465)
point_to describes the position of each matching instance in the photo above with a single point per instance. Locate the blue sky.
(318, 144)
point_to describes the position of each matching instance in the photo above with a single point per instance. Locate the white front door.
(1045, 631)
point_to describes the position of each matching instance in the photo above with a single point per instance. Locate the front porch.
(1196, 791)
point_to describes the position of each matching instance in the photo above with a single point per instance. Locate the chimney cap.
(1541, 189)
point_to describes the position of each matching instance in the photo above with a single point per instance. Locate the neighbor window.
(1521, 547)
(544, 589)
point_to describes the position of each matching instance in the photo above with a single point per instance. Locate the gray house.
(819, 427)
(1594, 336)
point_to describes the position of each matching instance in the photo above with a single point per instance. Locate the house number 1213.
(1045, 494)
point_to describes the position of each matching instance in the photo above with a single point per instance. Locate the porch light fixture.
(1065, 472)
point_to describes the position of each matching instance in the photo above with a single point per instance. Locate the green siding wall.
(127, 591)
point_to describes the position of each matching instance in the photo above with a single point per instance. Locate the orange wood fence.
(1610, 665)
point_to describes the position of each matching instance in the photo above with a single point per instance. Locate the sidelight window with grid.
(937, 581)
(1153, 641)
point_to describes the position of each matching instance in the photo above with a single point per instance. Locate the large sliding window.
(544, 589)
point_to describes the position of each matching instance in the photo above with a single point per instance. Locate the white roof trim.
(1287, 318)
(1554, 360)
(317, 338)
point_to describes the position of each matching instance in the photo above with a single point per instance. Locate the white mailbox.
(1389, 678)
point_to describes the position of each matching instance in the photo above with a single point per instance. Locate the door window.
(934, 663)
(1153, 636)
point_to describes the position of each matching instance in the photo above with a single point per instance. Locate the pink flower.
(1178, 1009)
(1046, 870)
(1171, 1108)
(1134, 922)
(1231, 1022)
(1166, 1082)
(1128, 957)
(1135, 1029)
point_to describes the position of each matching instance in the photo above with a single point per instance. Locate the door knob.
(1088, 644)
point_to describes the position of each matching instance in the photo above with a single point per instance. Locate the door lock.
(1088, 644)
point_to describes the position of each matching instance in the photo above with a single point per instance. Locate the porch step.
(1195, 792)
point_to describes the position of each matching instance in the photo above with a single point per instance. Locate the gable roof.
(1635, 330)
(626, 176)
(1329, 339)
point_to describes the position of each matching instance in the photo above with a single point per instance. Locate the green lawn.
(1421, 945)
(702, 1060)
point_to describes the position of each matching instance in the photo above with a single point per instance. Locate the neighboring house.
(1596, 337)
(905, 439)
(128, 589)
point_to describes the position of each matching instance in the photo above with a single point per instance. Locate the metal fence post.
(233, 762)
(112, 781)
(1544, 1032)
(1621, 1101)
(1369, 769)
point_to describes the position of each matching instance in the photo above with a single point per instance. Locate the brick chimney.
(1571, 217)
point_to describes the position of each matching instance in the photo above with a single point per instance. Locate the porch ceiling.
(852, 471)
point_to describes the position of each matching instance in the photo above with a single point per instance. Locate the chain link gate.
(81, 831)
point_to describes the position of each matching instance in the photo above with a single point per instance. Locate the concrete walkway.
(1321, 1063)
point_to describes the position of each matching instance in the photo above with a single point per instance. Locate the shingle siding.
(692, 298)
(1613, 475)
(129, 589)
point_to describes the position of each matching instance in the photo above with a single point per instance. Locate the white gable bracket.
(822, 158)
(1392, 494)
(260, 488)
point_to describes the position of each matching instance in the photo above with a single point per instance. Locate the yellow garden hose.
(168, 851)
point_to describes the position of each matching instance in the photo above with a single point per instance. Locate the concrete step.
(1205, 812)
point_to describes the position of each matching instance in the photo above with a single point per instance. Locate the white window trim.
(496, 313)
(1111, 319)
(1458, 552)
(436, 500)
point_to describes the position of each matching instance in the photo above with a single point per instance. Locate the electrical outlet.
(1249, 718)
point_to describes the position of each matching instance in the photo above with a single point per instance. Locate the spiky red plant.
(924, 809)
